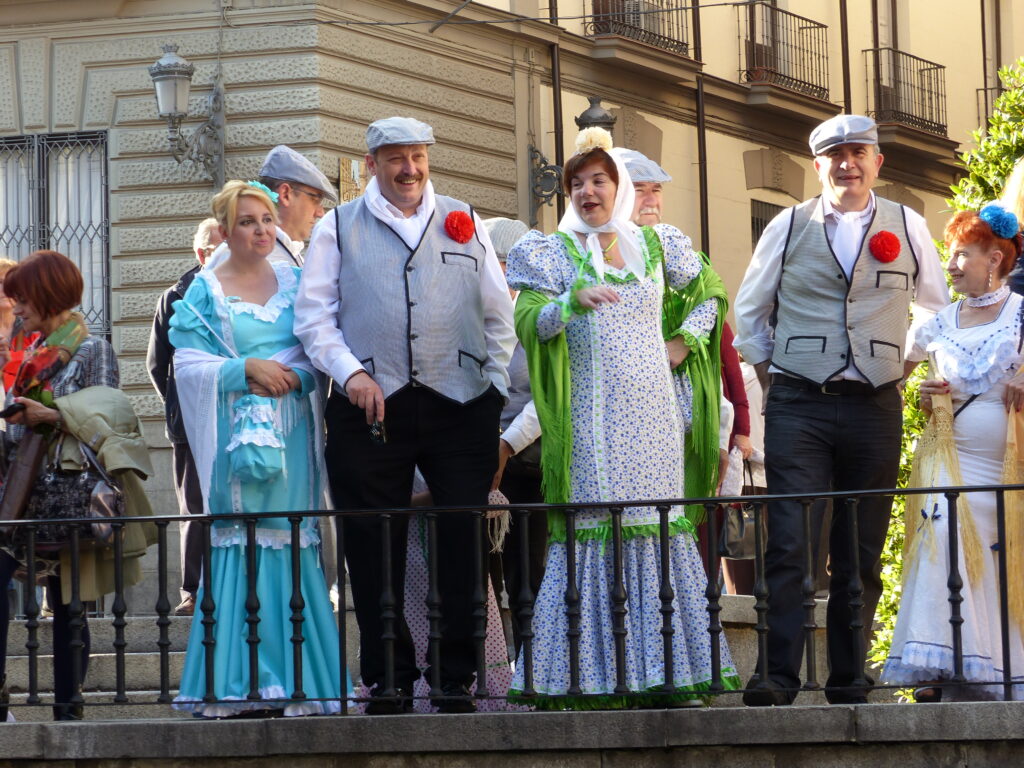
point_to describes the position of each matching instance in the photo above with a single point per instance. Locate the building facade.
(723, 95)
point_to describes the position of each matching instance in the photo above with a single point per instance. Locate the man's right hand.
(363, 392)
(761, 369)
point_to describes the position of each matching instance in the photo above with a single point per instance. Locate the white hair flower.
(593, 138)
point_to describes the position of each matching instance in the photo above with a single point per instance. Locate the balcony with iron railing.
(783, 49)
(906, 90)
(658, 23)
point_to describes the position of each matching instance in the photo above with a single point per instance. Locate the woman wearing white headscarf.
(590, 319)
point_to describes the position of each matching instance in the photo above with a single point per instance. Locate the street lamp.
(595, 116)
(172, 78)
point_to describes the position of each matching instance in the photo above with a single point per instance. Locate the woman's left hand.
(678, 350)
(1013, 395)
(35, 413)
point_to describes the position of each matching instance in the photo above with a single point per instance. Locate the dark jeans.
(820, 442)
(456, 448)
(64, 685)
(190, 501)
(521, 487)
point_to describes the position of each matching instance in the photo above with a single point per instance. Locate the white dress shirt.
(756, 297)
(318, 301)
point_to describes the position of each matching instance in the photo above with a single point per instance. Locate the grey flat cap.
(397, 130)
(641, 168)
(285, 164)
(843, 129)
(504, 233)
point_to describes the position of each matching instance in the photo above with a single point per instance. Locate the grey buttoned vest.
(413, 316)
(823, 318)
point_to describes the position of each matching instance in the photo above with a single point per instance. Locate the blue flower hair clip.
(1003, 222)
(273, 195)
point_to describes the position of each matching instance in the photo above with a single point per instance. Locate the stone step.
(140, 632)
(141, 705)
(142, 672)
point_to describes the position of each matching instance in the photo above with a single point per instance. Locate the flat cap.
(285, 164)
(504, 233)
(641, 168)
(397, 130)
(843, 129)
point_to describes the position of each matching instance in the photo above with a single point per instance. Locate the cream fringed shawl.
(936, 463)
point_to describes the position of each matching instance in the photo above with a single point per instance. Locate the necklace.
(988, 299)
(607, 258)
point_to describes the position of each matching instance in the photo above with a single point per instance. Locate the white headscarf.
(620, 223)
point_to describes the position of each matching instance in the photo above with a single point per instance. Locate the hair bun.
(593, 138)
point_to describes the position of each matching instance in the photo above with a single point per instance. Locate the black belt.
(832, 387)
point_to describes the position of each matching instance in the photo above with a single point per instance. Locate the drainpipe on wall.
(556, 97)
(844, 37)
(702, 144)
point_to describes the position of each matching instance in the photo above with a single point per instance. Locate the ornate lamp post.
(172, 79)
(595, 116)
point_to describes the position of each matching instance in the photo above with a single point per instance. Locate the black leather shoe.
(5, 699)
(399, 704)
(929, 694)
(63, 712)
(770, 694)
(455, 701)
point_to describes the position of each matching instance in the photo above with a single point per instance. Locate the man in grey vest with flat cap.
(403, 303)
(823, 313)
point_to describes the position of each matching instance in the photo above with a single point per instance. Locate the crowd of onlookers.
(416, 354)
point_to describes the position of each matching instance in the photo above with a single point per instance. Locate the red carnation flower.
(459, 226)
(884, 246)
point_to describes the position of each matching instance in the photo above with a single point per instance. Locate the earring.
(988, 285)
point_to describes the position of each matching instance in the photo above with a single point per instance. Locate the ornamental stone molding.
(8, 90)
(135, 306)
(138, 273)
(124, 239)
(176, 205)
(128, 340)
(33, 73)
(773, 169)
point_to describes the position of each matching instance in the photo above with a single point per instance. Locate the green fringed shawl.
(704, 367)
(550, 384)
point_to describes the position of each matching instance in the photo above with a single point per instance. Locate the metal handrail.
(782, 48)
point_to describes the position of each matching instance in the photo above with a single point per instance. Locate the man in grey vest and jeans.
(823, 313)
(402, 302)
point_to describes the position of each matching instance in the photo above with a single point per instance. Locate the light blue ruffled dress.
(266, 460)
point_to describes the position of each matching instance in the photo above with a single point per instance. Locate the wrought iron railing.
(661, 23)
(618, 596)
(783, 49)
(906, 89)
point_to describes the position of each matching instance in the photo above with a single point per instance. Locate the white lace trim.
(977, 369)
(287, 285)
(232, 705)
(271, 538)
(267, 438)
(258, 414)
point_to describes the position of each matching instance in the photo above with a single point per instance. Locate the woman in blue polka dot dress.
(590, 319)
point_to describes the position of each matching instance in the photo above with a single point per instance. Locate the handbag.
(58, 495)
(737, 540)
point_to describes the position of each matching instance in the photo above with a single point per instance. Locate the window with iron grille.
(53, 195)
(760, 214)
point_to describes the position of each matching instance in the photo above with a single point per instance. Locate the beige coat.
(103, 418)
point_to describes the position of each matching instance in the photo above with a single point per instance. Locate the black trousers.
(190, 501)
(64, 684)
(456, 448)
(523, 487)
(820, 442)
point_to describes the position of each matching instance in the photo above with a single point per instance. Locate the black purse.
(58, 495)
(737, 540)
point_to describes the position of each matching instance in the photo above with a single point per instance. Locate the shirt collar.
(384, 210)
(829, 212)
(294, 246)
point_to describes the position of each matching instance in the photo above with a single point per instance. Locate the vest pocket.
(466, 360)
(796, 345)
(899, 281)
(883, 350)
(463, 260)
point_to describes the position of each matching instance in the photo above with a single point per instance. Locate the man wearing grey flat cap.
(302, 191)
(823, 314)
(403, 303)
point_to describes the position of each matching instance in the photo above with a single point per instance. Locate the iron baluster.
(119, 609)
(297, 604)
(955, 584)
(163, 610)
(667, 596)
(526, 598)
(387, 608)
(207, 606)
(760, 597)
(713, 594)
(252, 610)
(1004, 599)
(31, 617)
(479, 604)
(76, 623)
(618, 604)
(339, 542)
(572, 603)
(810, 603)
(434, 615)
(856, 595)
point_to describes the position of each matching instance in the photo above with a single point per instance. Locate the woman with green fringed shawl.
(589, 316)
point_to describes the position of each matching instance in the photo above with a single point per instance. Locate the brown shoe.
(186, 607)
